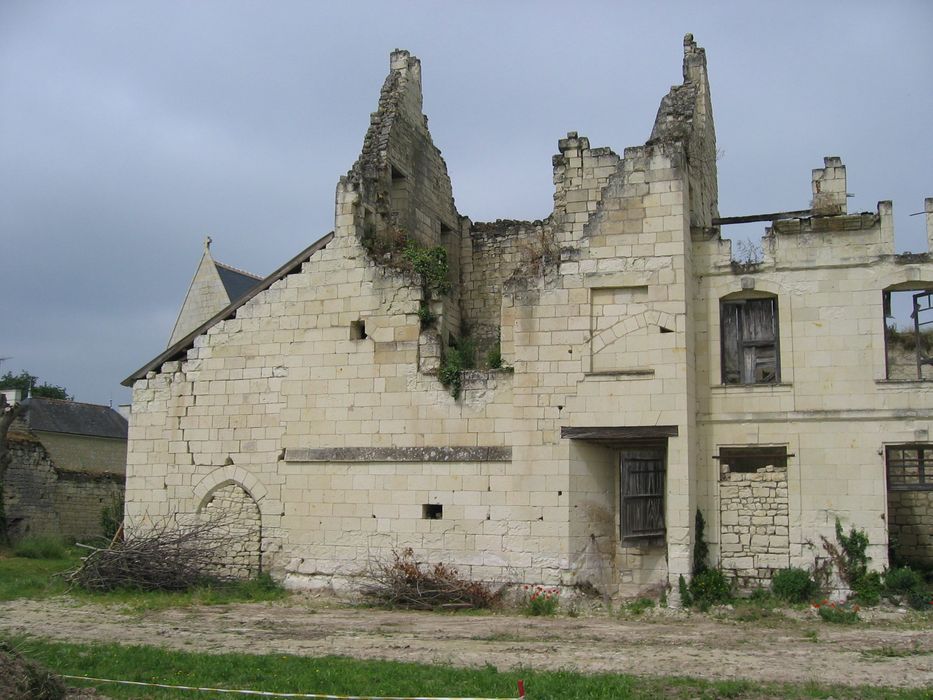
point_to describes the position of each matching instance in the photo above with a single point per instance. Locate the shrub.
(793, 585)
(700, 547)
(40, 547)
(685, 598)
(868, 588)
(710, 587)
(638, 606)
(849, 553)
(919, 598)
(404, 582)
(456, 359)
(542, 601)
(111, 517)
(901, 580)
(494, 357)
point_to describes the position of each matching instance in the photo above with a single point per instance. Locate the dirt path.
(881, 654)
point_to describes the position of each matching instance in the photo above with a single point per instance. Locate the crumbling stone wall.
(85, 453)
(239, 521)
(910, 526)
(754, 522)
(41, 499)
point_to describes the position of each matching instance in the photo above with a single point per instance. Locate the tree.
(29, 384)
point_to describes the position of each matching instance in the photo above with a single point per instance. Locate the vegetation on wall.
(395, 248)
(458, 357)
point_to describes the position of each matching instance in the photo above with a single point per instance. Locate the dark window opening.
(749, 333)
(908, 334)
(358, 330)
(748, 460)
(641, 508)
(910, 467)
(432, 511)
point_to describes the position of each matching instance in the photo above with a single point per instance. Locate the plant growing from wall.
(700, 547)
(794, 585)
(494, 356)
(849, 554)
(111, 517)
(458, 357)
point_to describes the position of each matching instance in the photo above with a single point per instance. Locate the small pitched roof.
(180, 349)
(58, 416)
(236, 282)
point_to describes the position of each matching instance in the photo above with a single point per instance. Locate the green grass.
(41, 547)
(284, 673)
(24, 577)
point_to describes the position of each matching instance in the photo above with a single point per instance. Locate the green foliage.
(838, 614)
(111, 517)
(40, 547)
(868, 588)
(700, 548)
(710, 587)
(29, 383)
(920, 598)
(425, 315)
(541, 601)
(34, 578)
(854, 557)
(901, 580)
(685, 598)
(494, 357)
(794, 585)
(457, 358)
(638, 606)
(431, 264)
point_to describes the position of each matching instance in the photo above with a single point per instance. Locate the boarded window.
(748, 460)
(642, 493)
(750, 341)
(910, 467)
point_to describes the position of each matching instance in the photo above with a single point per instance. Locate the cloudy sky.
(129, 130)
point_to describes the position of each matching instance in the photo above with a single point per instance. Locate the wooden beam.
(620, 433)
(726, 220)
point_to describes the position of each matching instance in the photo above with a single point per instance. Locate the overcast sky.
(130, 130)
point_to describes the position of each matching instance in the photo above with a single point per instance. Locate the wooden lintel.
(620, 433)
(726, 220)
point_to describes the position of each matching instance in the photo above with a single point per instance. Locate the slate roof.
(57, 416)
(236, 282)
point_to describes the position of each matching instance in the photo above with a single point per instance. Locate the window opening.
(910, 467)
(749, 336)
(432, 511)
(748, 460)
(641, 494)
(908, 334)
(358, 330)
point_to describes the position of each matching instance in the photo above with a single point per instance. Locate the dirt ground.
(892, 652)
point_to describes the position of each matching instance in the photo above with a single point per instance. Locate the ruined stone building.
(67, 465)
(629, 372)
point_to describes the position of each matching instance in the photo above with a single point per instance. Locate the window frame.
(742, 343)
(768, 455)
(924, 466)
(651, 490)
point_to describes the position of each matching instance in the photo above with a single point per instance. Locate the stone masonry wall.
(754, 524)
(85, 453)
(80, 499)
(910, 526)
(239, 522)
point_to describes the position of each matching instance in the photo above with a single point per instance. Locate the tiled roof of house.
(58, 416)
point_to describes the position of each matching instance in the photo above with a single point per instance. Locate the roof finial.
(207, 243)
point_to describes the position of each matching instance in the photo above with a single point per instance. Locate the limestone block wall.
(85, 453)
(754, 525)
(910, 525)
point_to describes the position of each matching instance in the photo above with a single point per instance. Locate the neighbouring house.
(67, 465)
(629, 371)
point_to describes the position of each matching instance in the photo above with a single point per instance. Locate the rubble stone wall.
(240, 522)
(754, 523)
(910, 526)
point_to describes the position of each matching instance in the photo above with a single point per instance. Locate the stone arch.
(631, 324)
(237, 518)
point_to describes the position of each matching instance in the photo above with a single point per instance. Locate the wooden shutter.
(641, 493)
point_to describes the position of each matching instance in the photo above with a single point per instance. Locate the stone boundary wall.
(42, 500)
(910, 515)
(754, 521)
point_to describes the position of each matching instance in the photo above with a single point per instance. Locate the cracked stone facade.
(583, 459)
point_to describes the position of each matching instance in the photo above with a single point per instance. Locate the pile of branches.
(163, 557)
(405, 583)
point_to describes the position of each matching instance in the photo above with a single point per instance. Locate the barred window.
(910, 467)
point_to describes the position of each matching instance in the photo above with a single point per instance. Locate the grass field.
(343, 676)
